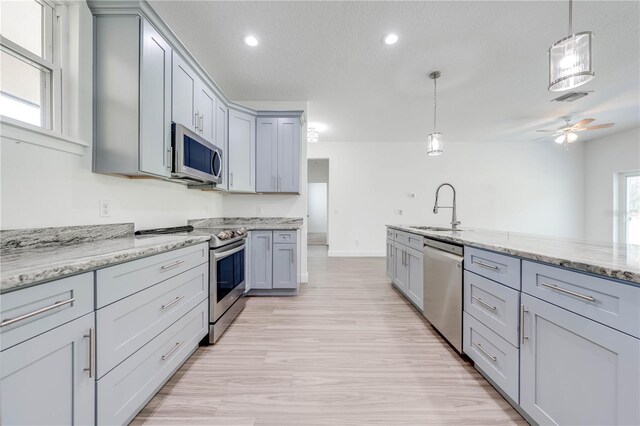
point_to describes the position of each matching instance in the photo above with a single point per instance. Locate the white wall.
(44, 187)
(258, 205)
(534, 187)
(604, 158)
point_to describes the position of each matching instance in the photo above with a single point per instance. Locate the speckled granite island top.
(619, 261)
(30, 260)
(249, 223)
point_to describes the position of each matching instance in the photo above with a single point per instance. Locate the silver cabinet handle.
(91, 337)
(34, 313)
(569, 292)
(168, 354)
(482, 302)
(202, 123)
(169, 158)
(196, 127)
(484, 351)
(485, 265)
(172, 265)
(176, 300)
(522, 336)
(231, 179)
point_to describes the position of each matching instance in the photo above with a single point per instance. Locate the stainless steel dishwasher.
(443, 289)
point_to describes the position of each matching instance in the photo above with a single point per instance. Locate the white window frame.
(622, 204)
(60, 129)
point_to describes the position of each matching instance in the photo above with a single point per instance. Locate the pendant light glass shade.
(312, 135)
(435, 143)
(570, 62)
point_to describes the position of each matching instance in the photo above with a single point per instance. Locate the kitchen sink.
(434, 228)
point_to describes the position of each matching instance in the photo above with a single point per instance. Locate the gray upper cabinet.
(183, 107)
(206, 105)
(132, 113)
(222, 140)
(284, 266)
(267, 155)
(278, 154)
(49, 379)
(241, 153)
(261, 260)
(576, 371)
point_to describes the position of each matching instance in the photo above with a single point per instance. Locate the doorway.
(318, 202)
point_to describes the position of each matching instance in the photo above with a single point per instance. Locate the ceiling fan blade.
(599, 126)
(583, 123)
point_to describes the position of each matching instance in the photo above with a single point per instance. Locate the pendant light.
(435, 140)
(570, 59)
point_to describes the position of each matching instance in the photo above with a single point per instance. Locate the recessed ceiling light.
(390, 39)
(251, 41)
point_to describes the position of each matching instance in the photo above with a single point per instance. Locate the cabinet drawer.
(127, 325)
(494, 305)
(410, 240)
(120, 281)
(608, 302)
(498, 267)
(284, 237)
(493, 356)
(31, 311)
(126, 389)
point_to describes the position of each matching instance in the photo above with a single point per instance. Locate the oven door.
(195, 158)
(226, 276)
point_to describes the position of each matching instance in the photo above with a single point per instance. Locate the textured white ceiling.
(493, 58)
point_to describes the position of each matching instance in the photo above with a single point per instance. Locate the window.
(629, 184)
(29, 63)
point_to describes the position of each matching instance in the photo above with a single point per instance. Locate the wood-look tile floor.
(349, 350)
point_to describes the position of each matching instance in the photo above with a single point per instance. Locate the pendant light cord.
(570, 17)
(435, 102)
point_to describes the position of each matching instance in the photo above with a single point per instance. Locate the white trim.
(622, 214)
(304, 279)
(334, 253)
(18, 131)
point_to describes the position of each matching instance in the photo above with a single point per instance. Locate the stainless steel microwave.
(194, 158)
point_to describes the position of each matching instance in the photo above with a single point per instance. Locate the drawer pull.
(168, 354)
(522, 336)
(569, 292)
(34, 313)
(482, 302)
(484, 351)
(172, 265)
(176, 300)
(91, 337)
(485, 265)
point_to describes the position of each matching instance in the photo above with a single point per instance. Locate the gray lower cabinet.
(390, 259)
(278, 154)
(49, 378)
(401, 276)
(132, 83)
(408, 271)
(273, 261)
(576, 371)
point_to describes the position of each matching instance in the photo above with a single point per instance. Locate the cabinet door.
(205, 111)
(267, 155)
(284, 266)
(390, 259)
(183, 102)
(402, 273)
(576, 371)
(288, 155)
(415, 283)
(155, 99)
(242, 154)
(261, 260)
(43, 380)
(222, 141)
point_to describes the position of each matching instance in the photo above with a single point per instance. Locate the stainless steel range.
(226, 273)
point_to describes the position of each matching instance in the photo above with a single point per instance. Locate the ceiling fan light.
(571, 62)
(559, 139)
(435, 143)
(571, 137)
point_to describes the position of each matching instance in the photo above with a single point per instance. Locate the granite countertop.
(620, 261)
(23, 267)
(249, 223)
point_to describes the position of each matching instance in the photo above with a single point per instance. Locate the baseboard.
(334, 253)
(304, 278)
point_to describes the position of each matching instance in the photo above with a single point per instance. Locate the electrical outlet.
(399, 211)
(105, 208)
(412, 195)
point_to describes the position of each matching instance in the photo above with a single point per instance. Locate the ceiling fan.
(567, 134)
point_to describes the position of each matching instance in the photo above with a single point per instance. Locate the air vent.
(570, 97)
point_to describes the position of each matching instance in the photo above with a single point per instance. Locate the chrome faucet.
(454, 221)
